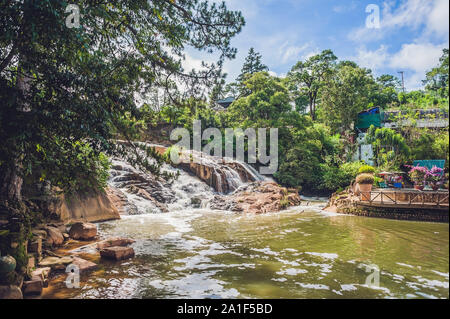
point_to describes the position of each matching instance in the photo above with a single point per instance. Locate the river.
(302, 252)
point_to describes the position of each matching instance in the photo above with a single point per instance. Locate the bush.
(365, 179)
(336, 178)
(366, 169)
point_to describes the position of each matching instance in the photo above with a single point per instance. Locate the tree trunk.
(11, 185)
(10, 179)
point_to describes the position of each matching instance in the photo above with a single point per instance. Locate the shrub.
(418, 173)
(335, 178)
(365, 179)
(366, 169)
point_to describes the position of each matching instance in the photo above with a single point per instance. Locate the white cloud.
(291, 53)
(438, 19)
(413, 14)
(415, 59)
(372, 59)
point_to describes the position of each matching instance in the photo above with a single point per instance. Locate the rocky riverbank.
(53, 252)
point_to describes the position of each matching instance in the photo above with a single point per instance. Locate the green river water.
(300, 253)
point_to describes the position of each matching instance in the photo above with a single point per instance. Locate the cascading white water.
(187, 191)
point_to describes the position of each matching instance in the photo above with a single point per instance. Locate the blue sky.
(411, 36)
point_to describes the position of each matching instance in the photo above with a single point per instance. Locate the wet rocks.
(42, 274)
(83, 231)
(84, 265)
(117, 253)
(32, 287)
(114, 242)
(127, 179)
(54, 237)
(56, 263)
(257, 198)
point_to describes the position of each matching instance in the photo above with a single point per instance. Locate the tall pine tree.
(251, 65)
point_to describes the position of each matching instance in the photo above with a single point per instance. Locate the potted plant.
(434, 177)
(417, 175)
(365, 183)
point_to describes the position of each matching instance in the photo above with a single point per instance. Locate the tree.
(61, 85)
(385, 91)
(253, 64)
(437, 78)
(345, 95)
(310, 76)
(390, 147)
(267, 101)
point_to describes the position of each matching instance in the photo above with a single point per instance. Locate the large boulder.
(7, 264)
(83, 231)
(33, 286)
(10, 292)
(258, 198)
(54, 237)
(117, 253)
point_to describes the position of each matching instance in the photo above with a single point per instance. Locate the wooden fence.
(405, 199)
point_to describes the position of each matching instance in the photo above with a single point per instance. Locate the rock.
(257, 198)
(196, 202)
(83, 231)
(39, 233)
(10, 292)
(56, 263)
(31, 262)
(84, 265)
(7, 264)
(54, 237)
(115, 241)
(35, 246)
(42, 273)
(117, 253)
(33, 286)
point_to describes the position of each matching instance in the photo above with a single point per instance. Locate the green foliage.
(366, 169)
(388, 146)
(344, 96)
(61, 85)
(437, 78)
(253, 64)
(365, 179)
(338, 177)
(307, 78)
(75, 168)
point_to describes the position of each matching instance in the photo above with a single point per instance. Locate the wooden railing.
(405, 199)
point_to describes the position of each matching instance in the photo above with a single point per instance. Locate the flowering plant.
(418, 173)
(434, 175)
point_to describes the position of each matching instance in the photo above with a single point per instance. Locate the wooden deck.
(405, 199)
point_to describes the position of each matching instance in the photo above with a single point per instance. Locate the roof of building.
(226, 101)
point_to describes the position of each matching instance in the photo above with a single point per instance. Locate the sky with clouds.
(410, 37)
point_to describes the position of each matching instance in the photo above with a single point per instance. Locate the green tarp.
(430, 163)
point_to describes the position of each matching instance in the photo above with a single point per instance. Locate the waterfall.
(144, 194)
